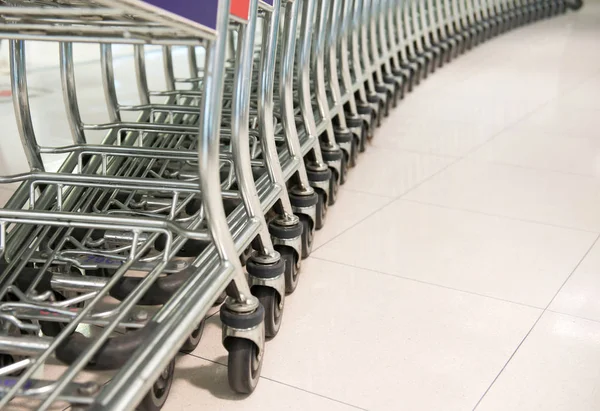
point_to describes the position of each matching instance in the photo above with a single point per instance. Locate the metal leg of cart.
(368, 103)
(335, 147)
(377, 93)
(48, 209)
(360, 126)
(323, 161)
(337, 97)
(309, 203)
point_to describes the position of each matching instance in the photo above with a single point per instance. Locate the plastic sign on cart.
(240, 9)
(203, 12)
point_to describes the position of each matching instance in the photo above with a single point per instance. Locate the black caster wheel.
(271, 302)
(369, 126)
(321, 212)
(243, 365)
(221, 299)
(384, 110)
(362, 145)
(291, 264)
(193, 340)
(307, 235)
(575, 4)
(344, 167)
(374, 99)
(398, 94)
(157, 396)
(355, 148)
(334, 186)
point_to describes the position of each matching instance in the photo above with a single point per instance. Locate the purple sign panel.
(269, 2)
(200, 11)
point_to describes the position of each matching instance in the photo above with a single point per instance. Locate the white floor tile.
(546, 151)
(376, 341)
(556, 369)
(356, 206)
(506, 259)
(201, 384)
(356, 334)
(392, 173)
(565, 121)
(584, 96)
(516, 192)
(493, 113)
(581, 294)
(441, 137)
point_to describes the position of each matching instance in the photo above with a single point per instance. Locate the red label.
(240, 8)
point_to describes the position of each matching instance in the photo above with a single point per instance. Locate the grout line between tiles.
(402, 277)
(392, 200)
(573, 316)
(529, 114)
(531, 168)
(314, 393)
(572, 272)
(535, 323)
(373, 146)
(262, 377)
(523, 220)
(353, 190)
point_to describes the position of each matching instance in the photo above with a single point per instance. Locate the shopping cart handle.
(113, 354)
(159, 293)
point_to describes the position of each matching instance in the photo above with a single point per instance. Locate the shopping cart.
(109, 264)
(90, 272)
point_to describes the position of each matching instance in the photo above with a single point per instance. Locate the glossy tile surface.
(545, 150)
(423, 346)
(460, 267)
(556, 369)
(506, 259)
(393, 172)
(356, 207)
(579, 296)
(516, 192)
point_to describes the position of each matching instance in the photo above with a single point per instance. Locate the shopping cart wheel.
(273, 305)
(243, 365)
(378, 106)
(291, 267)
(321, 210)
(344, 167)
(369, 116)
(362, 146)
(355, 147)
(308, 231)
(386, 99)
(157, 396)
(193, 340)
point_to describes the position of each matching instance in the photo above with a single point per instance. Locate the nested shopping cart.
(92, 273)
(211, 180)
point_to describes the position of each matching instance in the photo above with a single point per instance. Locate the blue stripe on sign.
(269, 2)
(199, 11)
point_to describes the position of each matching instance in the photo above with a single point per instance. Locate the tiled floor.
(460, 269)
